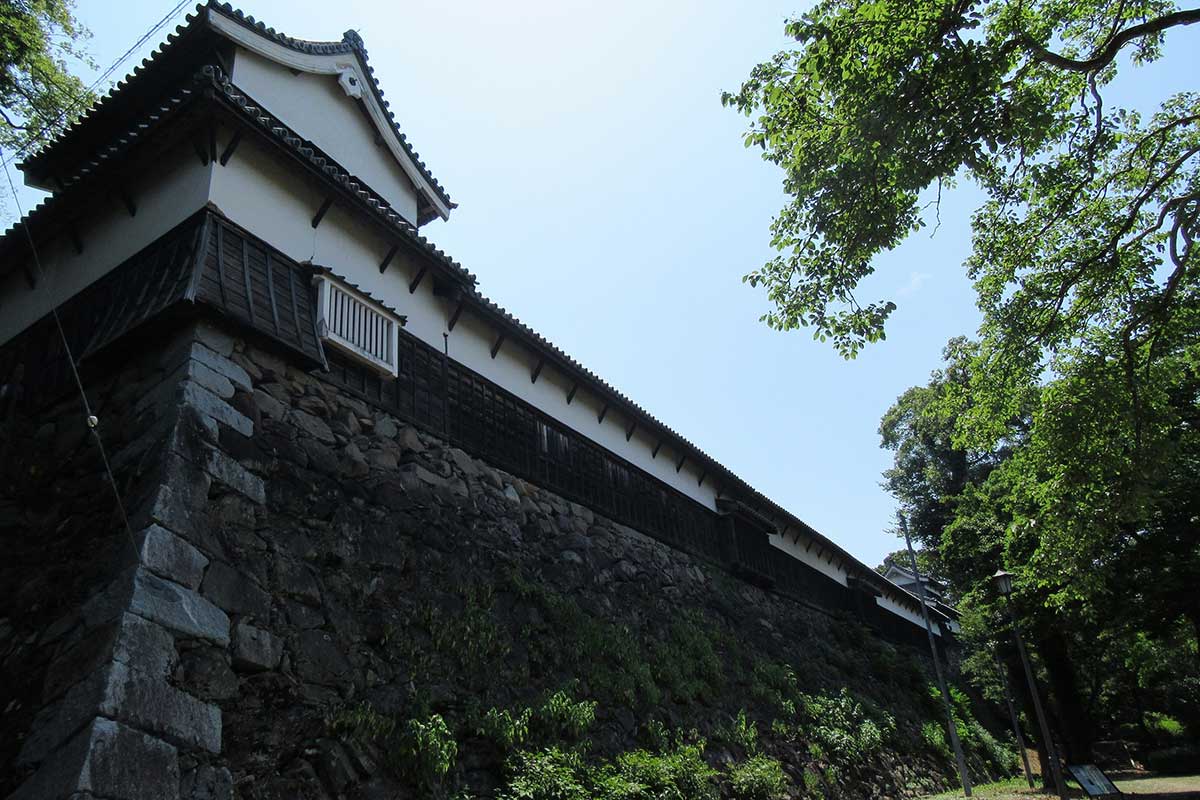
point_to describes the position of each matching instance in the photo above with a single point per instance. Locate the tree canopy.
(1097, 520)
(1061, 442)
(39, 95)
(882, 100)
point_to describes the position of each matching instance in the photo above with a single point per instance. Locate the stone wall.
(99, 613)
(314, 575)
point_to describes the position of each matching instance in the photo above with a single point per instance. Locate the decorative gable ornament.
(349, 81)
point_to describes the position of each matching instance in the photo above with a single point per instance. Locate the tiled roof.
(212, 77)
(351, 43)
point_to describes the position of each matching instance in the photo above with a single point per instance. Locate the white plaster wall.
(912, 615)
(471, 344)
(316, 108)
(268, 198)
(177, 187)
(796, 549)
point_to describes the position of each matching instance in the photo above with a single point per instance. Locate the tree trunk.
(1075, 724)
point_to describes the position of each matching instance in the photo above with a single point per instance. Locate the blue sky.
(605, 198)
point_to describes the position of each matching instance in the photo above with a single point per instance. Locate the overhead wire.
(66, 109)
(90, 419)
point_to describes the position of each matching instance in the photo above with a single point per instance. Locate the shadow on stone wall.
(330, 603)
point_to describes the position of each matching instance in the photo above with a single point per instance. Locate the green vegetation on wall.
(565, 703)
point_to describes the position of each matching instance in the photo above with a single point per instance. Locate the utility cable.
(90, 419)
(36, 135)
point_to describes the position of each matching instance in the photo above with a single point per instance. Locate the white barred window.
(357, 325)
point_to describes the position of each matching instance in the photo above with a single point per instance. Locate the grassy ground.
(1179, 787)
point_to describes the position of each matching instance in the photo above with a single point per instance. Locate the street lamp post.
(1016, 723)
(1003, 582)
(959, 759)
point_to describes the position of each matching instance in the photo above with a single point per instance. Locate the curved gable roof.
(348, 60)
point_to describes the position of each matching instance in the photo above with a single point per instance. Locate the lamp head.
(1003, 582)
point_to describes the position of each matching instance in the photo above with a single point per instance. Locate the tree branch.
(1104, 56)
(8, 121)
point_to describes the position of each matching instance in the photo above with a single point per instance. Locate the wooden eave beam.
(212, 143)
(603, 413)
(571, 394)
(76, 242)
(231, 147)
(201, 151)
(629, 431)
(127, 200)
(416, 282)
(533, 376)
(454, 317)
(391, 253)
(320, 215)
(499, 343)
(453, 283)
(657, 447)
(703, 475)
(679, 464)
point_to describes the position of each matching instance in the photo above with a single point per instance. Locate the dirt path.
(1178, 787)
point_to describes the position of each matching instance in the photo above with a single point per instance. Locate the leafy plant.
(361, 722)
(550, 774)
(841, 726)
(562, 716)
(426, 749)
(934, 737)
(740, 731)
(1162, 726)
(758, 778)
(812, 783)
(679, 774)
(504, 728)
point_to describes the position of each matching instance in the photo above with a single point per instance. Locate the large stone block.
(152, 704)
(110, 760)
(178, 608)
(255, 648)
(222, 366)
(319, 659)
(175, 607)
(235, 592)
(126, 693)
(215, 338)
(170, 557)
(268, 406)
(235, 476)
(214, 408)
(206, 782)
(209, 378)
(181, 499)
(144, 646)
(313, 426)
